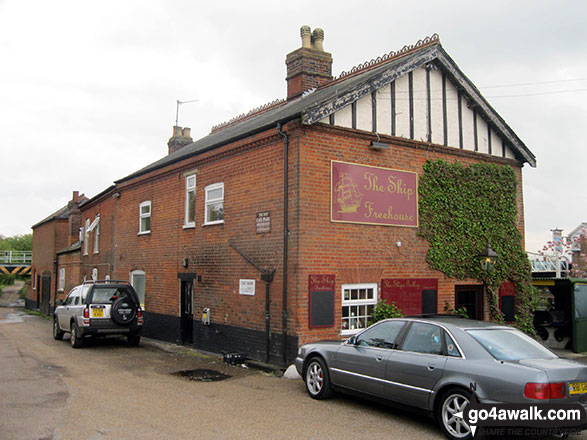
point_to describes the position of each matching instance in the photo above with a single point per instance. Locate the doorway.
(45, 293)
(187, 311)
(471, 298)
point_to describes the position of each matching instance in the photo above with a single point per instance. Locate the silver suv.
(99, 308)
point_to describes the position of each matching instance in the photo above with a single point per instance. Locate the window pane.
(215, 212)
(354, 294)
(191, 182)
(145, 224)
(191, 208)
(423, 338)
(347, 295)
(362, 294)
(145, 209)
(214, 194)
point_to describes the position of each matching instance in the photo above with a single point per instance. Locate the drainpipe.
(285, 236)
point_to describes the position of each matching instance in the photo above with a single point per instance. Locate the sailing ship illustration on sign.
(346, 194)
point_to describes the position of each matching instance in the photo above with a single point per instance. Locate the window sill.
(190, 226)
(219, 222)
(144, 233)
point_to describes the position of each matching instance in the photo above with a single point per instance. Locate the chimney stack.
(309, 66)
(181, 137)
(74, 218)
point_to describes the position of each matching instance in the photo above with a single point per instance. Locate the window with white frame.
(86, 236)
(358, 301)
(214, 204)
(97, 238)
(145, 217)
(190, 201)
(137, 280)
(61, 279)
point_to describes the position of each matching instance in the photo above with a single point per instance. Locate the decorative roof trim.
(393, 55)
(250, 114)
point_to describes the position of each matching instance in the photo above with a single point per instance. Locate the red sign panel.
(406, 293)
(373, 195)
(321, 282)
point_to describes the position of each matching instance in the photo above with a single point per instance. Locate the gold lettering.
(371, 184)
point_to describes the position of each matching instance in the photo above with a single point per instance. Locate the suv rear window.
(107, 295)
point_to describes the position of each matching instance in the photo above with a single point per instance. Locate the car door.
(412, 371)
(360, 363)
(66, 310)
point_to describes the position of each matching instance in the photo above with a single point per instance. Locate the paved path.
(11, 295)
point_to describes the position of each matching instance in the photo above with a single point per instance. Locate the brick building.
(287, 224)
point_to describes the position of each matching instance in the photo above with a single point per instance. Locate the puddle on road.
(202, 375)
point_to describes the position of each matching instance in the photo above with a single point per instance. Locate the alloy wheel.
(454, 424)
(314, 378)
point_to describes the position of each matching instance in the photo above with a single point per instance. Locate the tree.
(17, 243)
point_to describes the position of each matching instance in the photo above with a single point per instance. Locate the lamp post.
(487, 259)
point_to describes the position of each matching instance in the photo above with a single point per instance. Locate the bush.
(7, 279)
(383, 310)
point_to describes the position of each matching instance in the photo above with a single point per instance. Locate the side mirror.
(59, 302)
(352, 340)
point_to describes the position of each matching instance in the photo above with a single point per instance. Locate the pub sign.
(373, 195)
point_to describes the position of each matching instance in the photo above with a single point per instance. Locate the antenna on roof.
(177, 109)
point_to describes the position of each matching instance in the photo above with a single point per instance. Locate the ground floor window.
(358, 301)
(137, 279)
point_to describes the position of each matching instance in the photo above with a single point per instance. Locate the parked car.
(436, 363)
(99, 308)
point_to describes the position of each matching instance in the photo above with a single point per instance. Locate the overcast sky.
(88, 90)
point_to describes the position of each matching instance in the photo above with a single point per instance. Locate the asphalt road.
(107, 390)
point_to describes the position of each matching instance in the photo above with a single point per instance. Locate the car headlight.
(301, 352)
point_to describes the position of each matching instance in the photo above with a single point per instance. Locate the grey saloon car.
(437, 363)
(99, 308)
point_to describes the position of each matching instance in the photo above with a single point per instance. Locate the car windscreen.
(107, 295)
(510, 345)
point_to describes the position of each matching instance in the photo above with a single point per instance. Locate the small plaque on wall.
(246, 287)
(263, 222)
(321, 300)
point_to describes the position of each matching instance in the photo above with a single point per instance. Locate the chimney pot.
(75, 197)
(318, 39)
(186, 132)
(176, 131)
(306, 34)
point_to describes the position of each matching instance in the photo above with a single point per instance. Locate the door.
(38, 284)
(412, 372)
(45, 293)
(360, 365)
(579, 318)
(66, 311)
(187, 313)
(471, 298)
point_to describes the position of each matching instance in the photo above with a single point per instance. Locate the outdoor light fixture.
(487, 258)
(378, 146)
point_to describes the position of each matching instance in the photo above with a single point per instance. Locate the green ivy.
(464, 208)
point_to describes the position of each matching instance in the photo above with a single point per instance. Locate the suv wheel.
(57, 332)
(123, 311)
(76, 339)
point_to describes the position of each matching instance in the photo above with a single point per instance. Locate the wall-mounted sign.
(246, 287)
(373, 195)
(263, 222)
(412, 296)
(321, 300)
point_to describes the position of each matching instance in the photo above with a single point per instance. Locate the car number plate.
(578, 388)
(97, 313)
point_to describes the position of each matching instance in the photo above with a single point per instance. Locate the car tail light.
(542, 391)
(86, 313)
(140, 315)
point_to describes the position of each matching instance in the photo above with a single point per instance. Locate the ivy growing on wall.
(461, 210)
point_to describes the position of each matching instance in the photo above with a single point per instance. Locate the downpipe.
(285, 241)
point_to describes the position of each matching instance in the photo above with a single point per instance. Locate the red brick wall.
(362, 253)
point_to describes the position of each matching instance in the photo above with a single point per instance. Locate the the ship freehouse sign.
(373, 195)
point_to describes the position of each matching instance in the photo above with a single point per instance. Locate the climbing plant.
(461, 210)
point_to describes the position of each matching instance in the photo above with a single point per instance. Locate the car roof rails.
(105, 282)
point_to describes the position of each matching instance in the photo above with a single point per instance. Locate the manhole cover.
(202, 375)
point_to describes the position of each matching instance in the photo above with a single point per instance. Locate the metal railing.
(547, 263)
(16, 257)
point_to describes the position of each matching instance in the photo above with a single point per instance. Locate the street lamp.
(487, 258)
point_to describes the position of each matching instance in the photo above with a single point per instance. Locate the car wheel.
(76, 339)
(134, 340)
(57, 332)
(317, 379)
(123, 311)
(453, 402)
